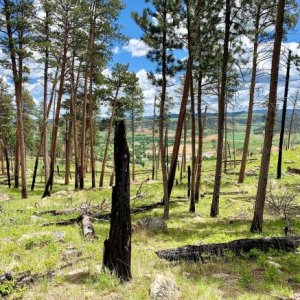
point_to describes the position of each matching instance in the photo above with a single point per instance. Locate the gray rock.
(151, 223)
(164, 288)
(60, 236)
(70, 254)
(76, 275)
(274, 264)
(5, 197)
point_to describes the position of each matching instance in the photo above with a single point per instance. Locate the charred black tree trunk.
(117, 249)
(286, 93)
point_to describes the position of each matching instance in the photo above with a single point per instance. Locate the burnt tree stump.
(117, 248)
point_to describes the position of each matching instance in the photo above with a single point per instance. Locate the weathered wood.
(87, 227)
(203, 252)
(117, 248)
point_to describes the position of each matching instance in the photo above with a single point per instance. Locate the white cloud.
(137, 48)
(116, 50)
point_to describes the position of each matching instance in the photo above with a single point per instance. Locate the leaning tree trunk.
(41, 142)
(112, 119)
(200, 141)
(292, 120)
(180, 124)
(269, 131)
(117, 249)
(218, 174)
(251, 100)
(286, 93)
(56, 120)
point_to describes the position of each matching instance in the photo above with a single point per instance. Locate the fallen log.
(64, 222)
(106, 216)
(293, 170)
(55, 212)
(204, 252)
(88, 228)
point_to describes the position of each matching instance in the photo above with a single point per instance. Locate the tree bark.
(200, 141)
(132, 142)
(180, 124)
(269, 129)
(18, 79)
(283, 118)
(68, 150)
(162, 116)
(43, 131)
(218, 174)
(251, 100)
(292, 120)
(17, 162)
(117, 249)
(112, 119)
(57, 115)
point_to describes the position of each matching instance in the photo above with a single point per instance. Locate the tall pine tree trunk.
(132, 142)
(57, 115)
(292, 120)
(269, 129)
(112, 119)
(180, 124)
(200, 141)
(42, 139)
(18, 78)
(221, 114)
(251, 100)
(162, 116)
(17, 162)
(283, 118)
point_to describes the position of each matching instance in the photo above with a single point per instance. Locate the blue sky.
(132, 31)
(134, 53)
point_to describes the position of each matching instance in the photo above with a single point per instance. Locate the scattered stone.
(6, 240)
(274, 264)
(70, 253)
(164, 288)
(151, 223)
(296, 296)
(5, 197)
(187, 275)
(76, 275)
(60, 236)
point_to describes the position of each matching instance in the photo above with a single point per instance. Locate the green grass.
(247, 277)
